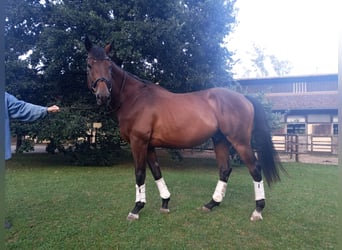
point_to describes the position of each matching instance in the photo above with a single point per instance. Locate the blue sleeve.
(24, 111)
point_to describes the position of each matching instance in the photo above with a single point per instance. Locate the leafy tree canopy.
(178, 43)
(175, 43)
(263, 64)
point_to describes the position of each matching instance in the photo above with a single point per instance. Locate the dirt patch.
(312, 158)
(325, 159)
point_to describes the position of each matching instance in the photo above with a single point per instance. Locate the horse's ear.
(88, 44)
(108, 48)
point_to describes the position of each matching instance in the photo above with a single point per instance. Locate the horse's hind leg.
(221, 148)
(152, 162)
(247, 155)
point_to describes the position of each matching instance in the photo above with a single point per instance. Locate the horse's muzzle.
(102, 100)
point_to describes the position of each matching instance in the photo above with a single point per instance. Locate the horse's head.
(99, 72)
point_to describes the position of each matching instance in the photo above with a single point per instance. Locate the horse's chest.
(136, 128)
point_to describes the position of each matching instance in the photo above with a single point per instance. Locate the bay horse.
(149, 116)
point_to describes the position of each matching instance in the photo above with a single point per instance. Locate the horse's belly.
(185, 137)
(178, 143)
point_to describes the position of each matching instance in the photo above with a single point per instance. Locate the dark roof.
(300, 101)
(288, 79)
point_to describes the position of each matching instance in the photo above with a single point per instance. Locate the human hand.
(53, 109)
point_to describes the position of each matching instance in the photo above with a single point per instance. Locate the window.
(298, 129)
(321, 129)
(299, 87)
(335, 129)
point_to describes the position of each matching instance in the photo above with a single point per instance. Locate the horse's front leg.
(139, 150)
(155, 169)
(221, 147)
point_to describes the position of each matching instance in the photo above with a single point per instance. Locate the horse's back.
(186, 119)
(181, 120)
(190, 118)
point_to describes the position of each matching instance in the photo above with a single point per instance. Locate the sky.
(303, 32)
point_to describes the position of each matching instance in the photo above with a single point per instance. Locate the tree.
(175, 43)
(263, 64)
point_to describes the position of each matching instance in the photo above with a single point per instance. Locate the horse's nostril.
(102, 99)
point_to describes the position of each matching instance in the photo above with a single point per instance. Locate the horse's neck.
(132, 86)
(126, 87)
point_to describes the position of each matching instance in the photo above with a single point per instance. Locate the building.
(308, 106)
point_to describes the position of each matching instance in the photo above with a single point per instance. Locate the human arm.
(24, 111)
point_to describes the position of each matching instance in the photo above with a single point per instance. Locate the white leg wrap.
(220, 191)
(256, 216)
(163, 191)
(259, 190)
(140, 194)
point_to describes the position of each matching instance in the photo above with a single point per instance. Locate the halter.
(107, 82)
(101, 79)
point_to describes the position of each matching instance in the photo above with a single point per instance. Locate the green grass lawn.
(53, 206)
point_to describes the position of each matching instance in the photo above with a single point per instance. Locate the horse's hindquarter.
(234, 113)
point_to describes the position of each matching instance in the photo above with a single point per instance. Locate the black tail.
(268, 158)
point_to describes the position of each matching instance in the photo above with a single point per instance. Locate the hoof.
(164, 210)
(132, 217)
(256, 216)
(205, 209)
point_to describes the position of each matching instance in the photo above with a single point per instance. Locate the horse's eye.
(89, 66)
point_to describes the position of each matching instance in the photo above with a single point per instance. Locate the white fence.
(300, 144)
